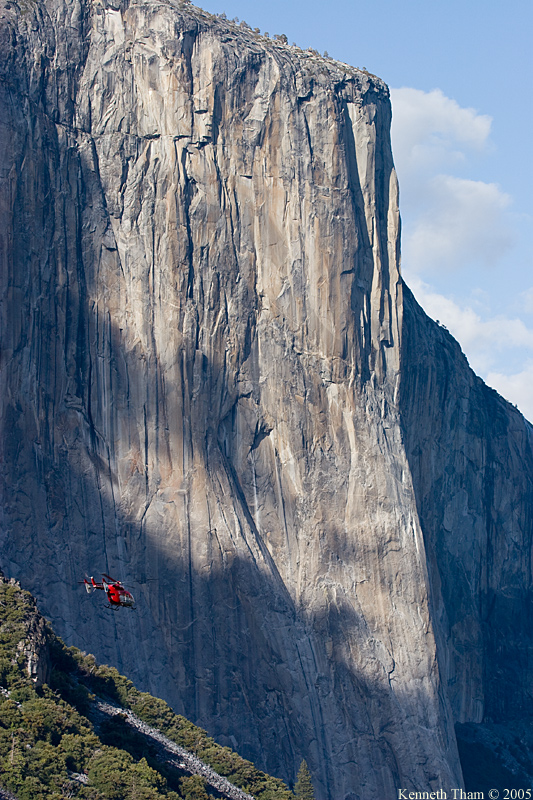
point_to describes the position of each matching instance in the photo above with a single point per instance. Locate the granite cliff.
(216, 384)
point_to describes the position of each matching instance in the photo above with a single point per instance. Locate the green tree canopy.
(304, 786)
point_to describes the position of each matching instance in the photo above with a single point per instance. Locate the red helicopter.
(117, 595)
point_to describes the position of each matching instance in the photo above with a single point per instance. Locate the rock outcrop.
(216, 384)
(168, 752)
(27, 628)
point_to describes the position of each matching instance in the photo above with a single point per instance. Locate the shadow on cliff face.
(215, 633)
(497, 756)
(223, 644)
(471, 458)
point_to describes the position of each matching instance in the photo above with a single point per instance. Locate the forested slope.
(62, 733)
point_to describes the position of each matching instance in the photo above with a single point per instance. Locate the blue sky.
(461, 77)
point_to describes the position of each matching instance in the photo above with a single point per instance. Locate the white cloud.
(527, 301)
(483, 340)
(515, 388)
(452, 222)
(462, 223)
(432, 131)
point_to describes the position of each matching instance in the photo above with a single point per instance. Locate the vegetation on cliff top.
(49, 749)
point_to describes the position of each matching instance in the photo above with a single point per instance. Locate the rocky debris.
(78, 777)
(171, 753)
(5, 795)
(216, 383)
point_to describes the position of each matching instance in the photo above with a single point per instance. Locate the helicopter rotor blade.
(109, 579)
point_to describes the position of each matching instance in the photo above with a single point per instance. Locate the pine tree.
(304, 787)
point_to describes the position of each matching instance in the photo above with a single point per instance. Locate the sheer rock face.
(203, 391)
(471, 460)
